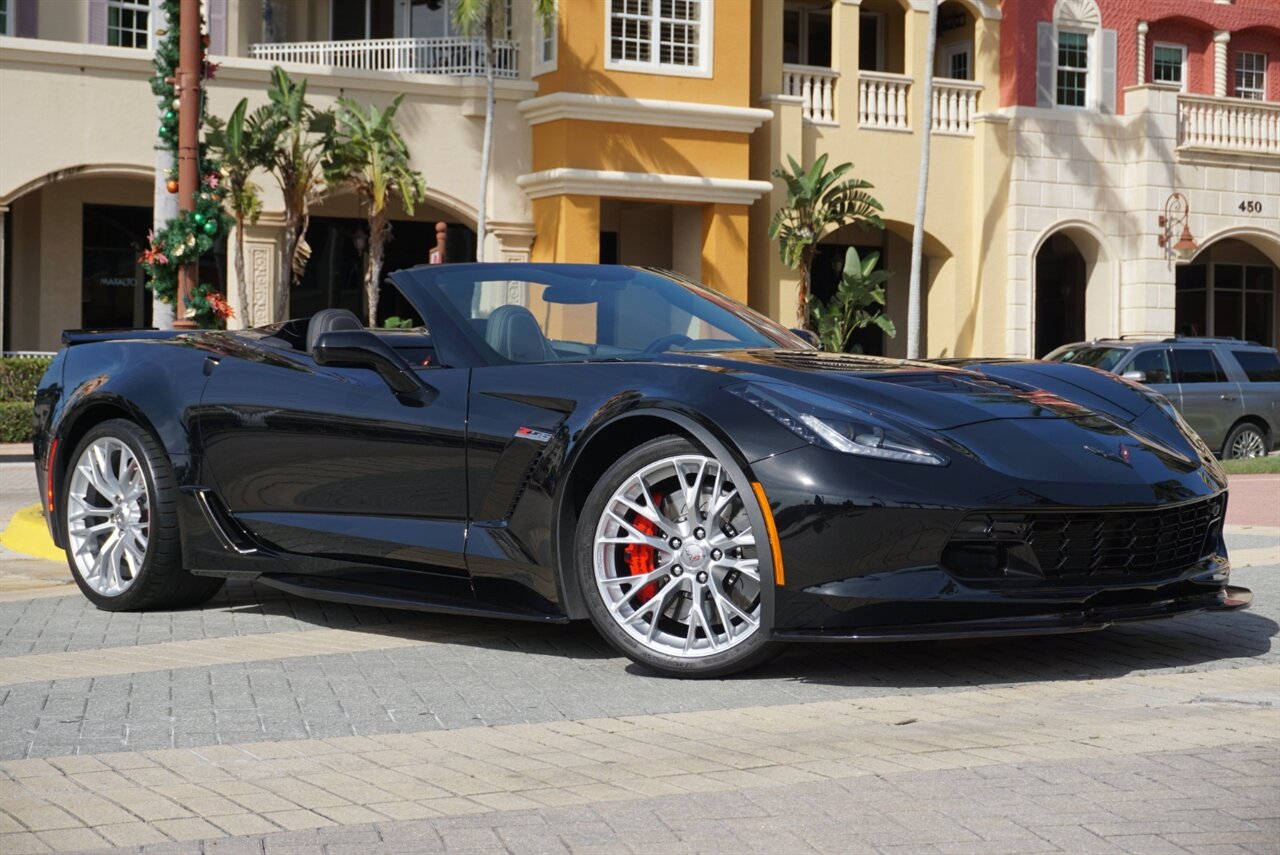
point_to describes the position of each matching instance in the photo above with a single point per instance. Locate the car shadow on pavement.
(1174, 643)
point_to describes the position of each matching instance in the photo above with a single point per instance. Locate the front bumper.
(863, 546)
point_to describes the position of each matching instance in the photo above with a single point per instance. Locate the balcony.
(455, 56)
(817, 87)
(955, 103)
(883, 101)
(1228, 125)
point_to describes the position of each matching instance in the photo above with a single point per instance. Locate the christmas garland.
(191, 234)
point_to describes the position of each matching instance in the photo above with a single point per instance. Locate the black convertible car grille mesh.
(1101, 544)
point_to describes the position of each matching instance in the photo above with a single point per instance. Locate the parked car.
(1228, 390)
(557, 441)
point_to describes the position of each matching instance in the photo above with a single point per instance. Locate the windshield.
(573, 312)
(1094, 356)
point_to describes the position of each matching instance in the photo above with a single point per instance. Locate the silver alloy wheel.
(108, 516)
(675, 559)
(1248, 443)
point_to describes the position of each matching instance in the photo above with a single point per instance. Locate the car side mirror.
(808, 335)
(363, 349)
(1137, 376)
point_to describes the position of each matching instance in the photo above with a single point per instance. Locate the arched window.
(1076, 59)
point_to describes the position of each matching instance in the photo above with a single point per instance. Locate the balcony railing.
(955, 102)
(883, 100)
(456, 56)
(817, 86)
(1228, 124)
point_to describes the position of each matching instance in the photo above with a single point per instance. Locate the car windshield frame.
(431, 290)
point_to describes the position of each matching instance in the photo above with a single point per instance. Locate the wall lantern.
(1176, 212)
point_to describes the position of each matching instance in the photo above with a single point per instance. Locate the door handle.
(1228, 397)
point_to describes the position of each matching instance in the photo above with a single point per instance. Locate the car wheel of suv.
(1246, 440)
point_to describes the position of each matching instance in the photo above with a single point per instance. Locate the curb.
(28, 534)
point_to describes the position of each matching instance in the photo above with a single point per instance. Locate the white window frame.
(1182, 73)
(135, 6)
(706, 28)
(1235, 76)
(1091, 72)
(544, 38)
(9, 7)
(953, 50)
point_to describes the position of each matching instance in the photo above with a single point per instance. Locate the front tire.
(1245, 440)
(121, 523)
(668, 562)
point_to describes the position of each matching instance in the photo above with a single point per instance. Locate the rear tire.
(118, 508)
(669, 515)
(1245, 440)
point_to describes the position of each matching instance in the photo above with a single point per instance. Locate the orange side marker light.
(771, 528)
(53, 456)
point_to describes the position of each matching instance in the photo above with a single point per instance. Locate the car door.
(1258, 371)
(1207, 399)
(330, 462)
(1153, 362)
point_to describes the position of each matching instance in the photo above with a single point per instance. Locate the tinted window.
(1260, 366)
(1197, 366)
(1154, 363)
(1105, 358)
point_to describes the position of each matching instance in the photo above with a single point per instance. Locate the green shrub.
(20, 377)
(15, 421)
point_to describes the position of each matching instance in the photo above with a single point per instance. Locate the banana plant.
(239, 153)
(818, 201)
(369, 155)
(857, 303)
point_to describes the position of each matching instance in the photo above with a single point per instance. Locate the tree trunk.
(378, 234)
(242, 287)
(917, 234)
(486, 148)
(802, 303)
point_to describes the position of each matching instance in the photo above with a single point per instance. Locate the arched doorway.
(1229, 289)
(1060, 291)
(1074, 289)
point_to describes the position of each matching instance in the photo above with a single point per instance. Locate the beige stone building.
(1061, 130)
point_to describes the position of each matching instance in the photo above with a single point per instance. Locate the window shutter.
(26, 20)
(1045, 64)
(97, 22)
(217, 27)
(1107, 77)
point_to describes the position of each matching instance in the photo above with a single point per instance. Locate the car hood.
(940, 397)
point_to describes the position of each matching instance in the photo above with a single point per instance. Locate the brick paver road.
(266, 724)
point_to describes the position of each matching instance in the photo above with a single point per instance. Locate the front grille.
(1096, 545)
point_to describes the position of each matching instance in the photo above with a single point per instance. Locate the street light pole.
(189, 55)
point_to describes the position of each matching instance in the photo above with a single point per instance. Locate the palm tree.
(240, 155)
(487, 16)
(369, 155)
(294, 137)
(917, 233)
(817, 201)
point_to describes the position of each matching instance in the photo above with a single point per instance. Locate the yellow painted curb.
(28, 534)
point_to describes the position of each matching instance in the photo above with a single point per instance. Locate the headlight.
(835, 425)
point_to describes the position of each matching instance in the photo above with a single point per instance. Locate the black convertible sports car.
(551, 442)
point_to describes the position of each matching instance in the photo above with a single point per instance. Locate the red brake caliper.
(642, 558)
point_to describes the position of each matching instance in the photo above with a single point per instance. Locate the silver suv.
(1227, 389)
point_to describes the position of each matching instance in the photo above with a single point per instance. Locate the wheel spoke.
(650, 513)
(106, 516)
(637, 536)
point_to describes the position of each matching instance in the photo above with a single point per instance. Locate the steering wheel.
(665, 343)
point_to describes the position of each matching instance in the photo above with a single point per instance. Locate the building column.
(724, 249)
(512, 241)
(1142, 53)
(1220, 40)
(846, 29)
(262, 248)
(567, 228)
